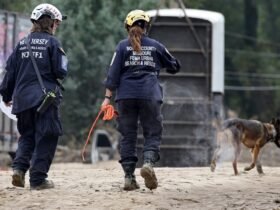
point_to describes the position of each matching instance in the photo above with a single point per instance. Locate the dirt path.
(84, 187)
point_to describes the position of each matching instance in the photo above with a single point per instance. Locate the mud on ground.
(99, 186)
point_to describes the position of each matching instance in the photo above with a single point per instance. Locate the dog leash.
(109, 114)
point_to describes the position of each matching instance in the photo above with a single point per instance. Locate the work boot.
(47, 184)
(18, 178)
(148, 173)
(130, 182)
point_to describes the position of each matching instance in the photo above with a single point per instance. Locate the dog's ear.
(277, 143)
(277, 124)
(278, 121)
(277, 127)
(273, 121)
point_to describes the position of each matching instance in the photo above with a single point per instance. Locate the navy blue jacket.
(20, 83)
(135, 75)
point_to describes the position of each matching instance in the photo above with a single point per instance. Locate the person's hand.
(105, 102)
(8, 104)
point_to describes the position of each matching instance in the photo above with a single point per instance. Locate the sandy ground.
(99, 186)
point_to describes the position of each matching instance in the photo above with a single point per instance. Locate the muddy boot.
(18, 178)
(47, 184)
(130, 182)
(147, 171)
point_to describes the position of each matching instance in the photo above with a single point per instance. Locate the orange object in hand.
(109, 114)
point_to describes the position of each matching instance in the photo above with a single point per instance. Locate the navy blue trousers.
(148, 112)
(37, 143)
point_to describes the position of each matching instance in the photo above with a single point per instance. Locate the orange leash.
(109, 114)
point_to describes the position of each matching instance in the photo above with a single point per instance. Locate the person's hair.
(135, 33)
(44, 24)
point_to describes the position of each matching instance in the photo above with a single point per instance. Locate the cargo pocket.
(49, 122)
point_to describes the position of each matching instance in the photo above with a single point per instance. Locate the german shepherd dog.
(252, 133)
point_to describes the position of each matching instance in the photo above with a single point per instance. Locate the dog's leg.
(236, 155)
(255, 153)
(252, 155)
(218, 151)
(259, 168)
(214, 159)
(234, 165)
(258, 163)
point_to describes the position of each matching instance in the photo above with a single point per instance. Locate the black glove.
(176, 69)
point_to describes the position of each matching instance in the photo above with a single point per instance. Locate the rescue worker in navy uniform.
(20, 88)
(133, 75)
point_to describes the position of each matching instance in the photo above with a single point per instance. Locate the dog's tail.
(222, 125)
(230, 122)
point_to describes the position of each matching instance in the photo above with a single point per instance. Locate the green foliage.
(14, 5)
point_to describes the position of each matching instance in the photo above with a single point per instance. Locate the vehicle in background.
(103, 146)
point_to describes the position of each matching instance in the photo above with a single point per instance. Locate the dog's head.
(270, 131)
(276, 123)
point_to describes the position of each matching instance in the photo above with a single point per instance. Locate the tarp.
(7, 110)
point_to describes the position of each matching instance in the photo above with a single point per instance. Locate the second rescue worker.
(133, 74)
(39, 132)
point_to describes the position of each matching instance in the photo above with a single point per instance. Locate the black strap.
(35, 65)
